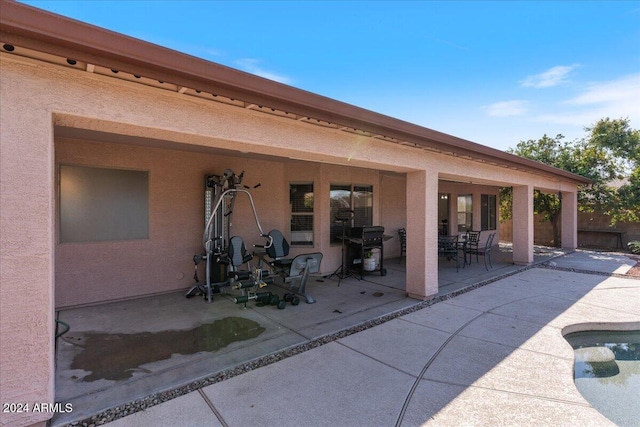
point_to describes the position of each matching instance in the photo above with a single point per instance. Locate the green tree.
(622, 142)
(610, 151)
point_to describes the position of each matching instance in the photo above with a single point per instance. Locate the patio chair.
(473, 243)
(403, 242)
(448, 247)
(293, 271)
(484, 251)
(444, 228)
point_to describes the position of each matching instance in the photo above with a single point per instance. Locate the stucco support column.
(569, 220)
(453, 213)
(26, 252)
(523, 225)
(422, 227)
(477, 210)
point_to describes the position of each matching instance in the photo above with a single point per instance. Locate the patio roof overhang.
(46, 36)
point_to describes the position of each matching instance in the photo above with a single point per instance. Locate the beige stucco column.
(569, 220)
(453, 213)
(422, 227)
(523, 224)
(26, 252)
(477, 210)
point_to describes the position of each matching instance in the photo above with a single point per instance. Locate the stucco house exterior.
(82, 107)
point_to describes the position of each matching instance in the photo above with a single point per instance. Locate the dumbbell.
(275, 300)
(292, 298)
(263, 298)
(260, 297)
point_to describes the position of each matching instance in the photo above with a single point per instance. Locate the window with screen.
(301, 202)
(345, 197)
(465, 213)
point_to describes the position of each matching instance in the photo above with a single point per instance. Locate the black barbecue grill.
(361, 240)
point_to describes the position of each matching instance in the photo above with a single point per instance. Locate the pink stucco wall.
(26, 252)
(422, 225)
(392, 200)
(523, 224)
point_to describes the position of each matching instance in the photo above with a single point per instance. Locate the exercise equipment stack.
(227, 261)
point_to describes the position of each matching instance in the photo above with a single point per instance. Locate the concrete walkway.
(493, 356)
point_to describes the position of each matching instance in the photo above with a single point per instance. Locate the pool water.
(607, 373)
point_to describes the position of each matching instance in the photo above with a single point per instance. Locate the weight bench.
(293, 271)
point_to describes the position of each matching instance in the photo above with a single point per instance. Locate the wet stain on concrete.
(118, 356)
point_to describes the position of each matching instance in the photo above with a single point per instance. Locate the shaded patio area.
(501, 258)
(119, 352)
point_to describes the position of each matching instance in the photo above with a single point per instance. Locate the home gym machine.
(225, 254)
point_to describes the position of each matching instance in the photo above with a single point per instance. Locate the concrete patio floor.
(448, 363)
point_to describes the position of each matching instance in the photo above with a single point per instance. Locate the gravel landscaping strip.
(550, 266)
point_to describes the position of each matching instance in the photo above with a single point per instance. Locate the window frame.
(467, 225)
(309, 213)
(98, 204)
(356, 221)
(488, 212)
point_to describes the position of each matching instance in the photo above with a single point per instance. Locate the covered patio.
(119, 352)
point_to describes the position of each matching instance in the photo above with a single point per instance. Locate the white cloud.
(615, 99)
(252, 66)
(626, 88)
(515, 107)
(552, 77)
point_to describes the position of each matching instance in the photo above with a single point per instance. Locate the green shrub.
(634, 246)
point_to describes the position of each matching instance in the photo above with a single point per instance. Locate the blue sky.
(495, 73)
